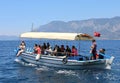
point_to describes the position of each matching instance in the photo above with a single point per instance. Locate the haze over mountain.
(108, 27)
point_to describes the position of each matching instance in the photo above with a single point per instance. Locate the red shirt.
(74, 51)
(38, 50)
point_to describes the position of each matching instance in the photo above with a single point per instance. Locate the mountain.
(108, 27)
(5, 37)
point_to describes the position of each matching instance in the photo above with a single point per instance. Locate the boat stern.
(109, 62)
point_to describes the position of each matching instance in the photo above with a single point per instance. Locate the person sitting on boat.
(48, 45)
(93, 51)
(55, 50)
(101, 53)
(68, 50)
(49, 50)
(74, 51)
(21, 48)
(62, 50)
(44, 47)
(58, 51)
(37, 51)
(35, 47)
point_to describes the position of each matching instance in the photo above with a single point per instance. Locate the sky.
(17, 16)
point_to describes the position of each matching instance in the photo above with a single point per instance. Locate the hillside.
(108, 27)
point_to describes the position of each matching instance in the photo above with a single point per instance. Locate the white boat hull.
(54, 61)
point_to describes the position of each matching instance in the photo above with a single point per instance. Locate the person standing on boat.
(93, 50)
(21, 48)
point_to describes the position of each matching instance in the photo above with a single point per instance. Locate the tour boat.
(65, 62)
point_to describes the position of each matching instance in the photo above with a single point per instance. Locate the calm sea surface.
(14, 72)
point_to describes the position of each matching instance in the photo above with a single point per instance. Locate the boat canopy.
(52, 35)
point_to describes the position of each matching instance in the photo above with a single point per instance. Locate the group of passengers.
(61, 50)
(46, 49)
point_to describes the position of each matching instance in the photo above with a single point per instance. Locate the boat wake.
(17, 60)
(37, 67)
(42, 68)
(67, 72)
(24, 63)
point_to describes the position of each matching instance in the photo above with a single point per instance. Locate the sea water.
(13, 70)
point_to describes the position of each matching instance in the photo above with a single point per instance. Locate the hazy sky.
(17, 16)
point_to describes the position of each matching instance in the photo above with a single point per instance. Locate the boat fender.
(64, 60)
